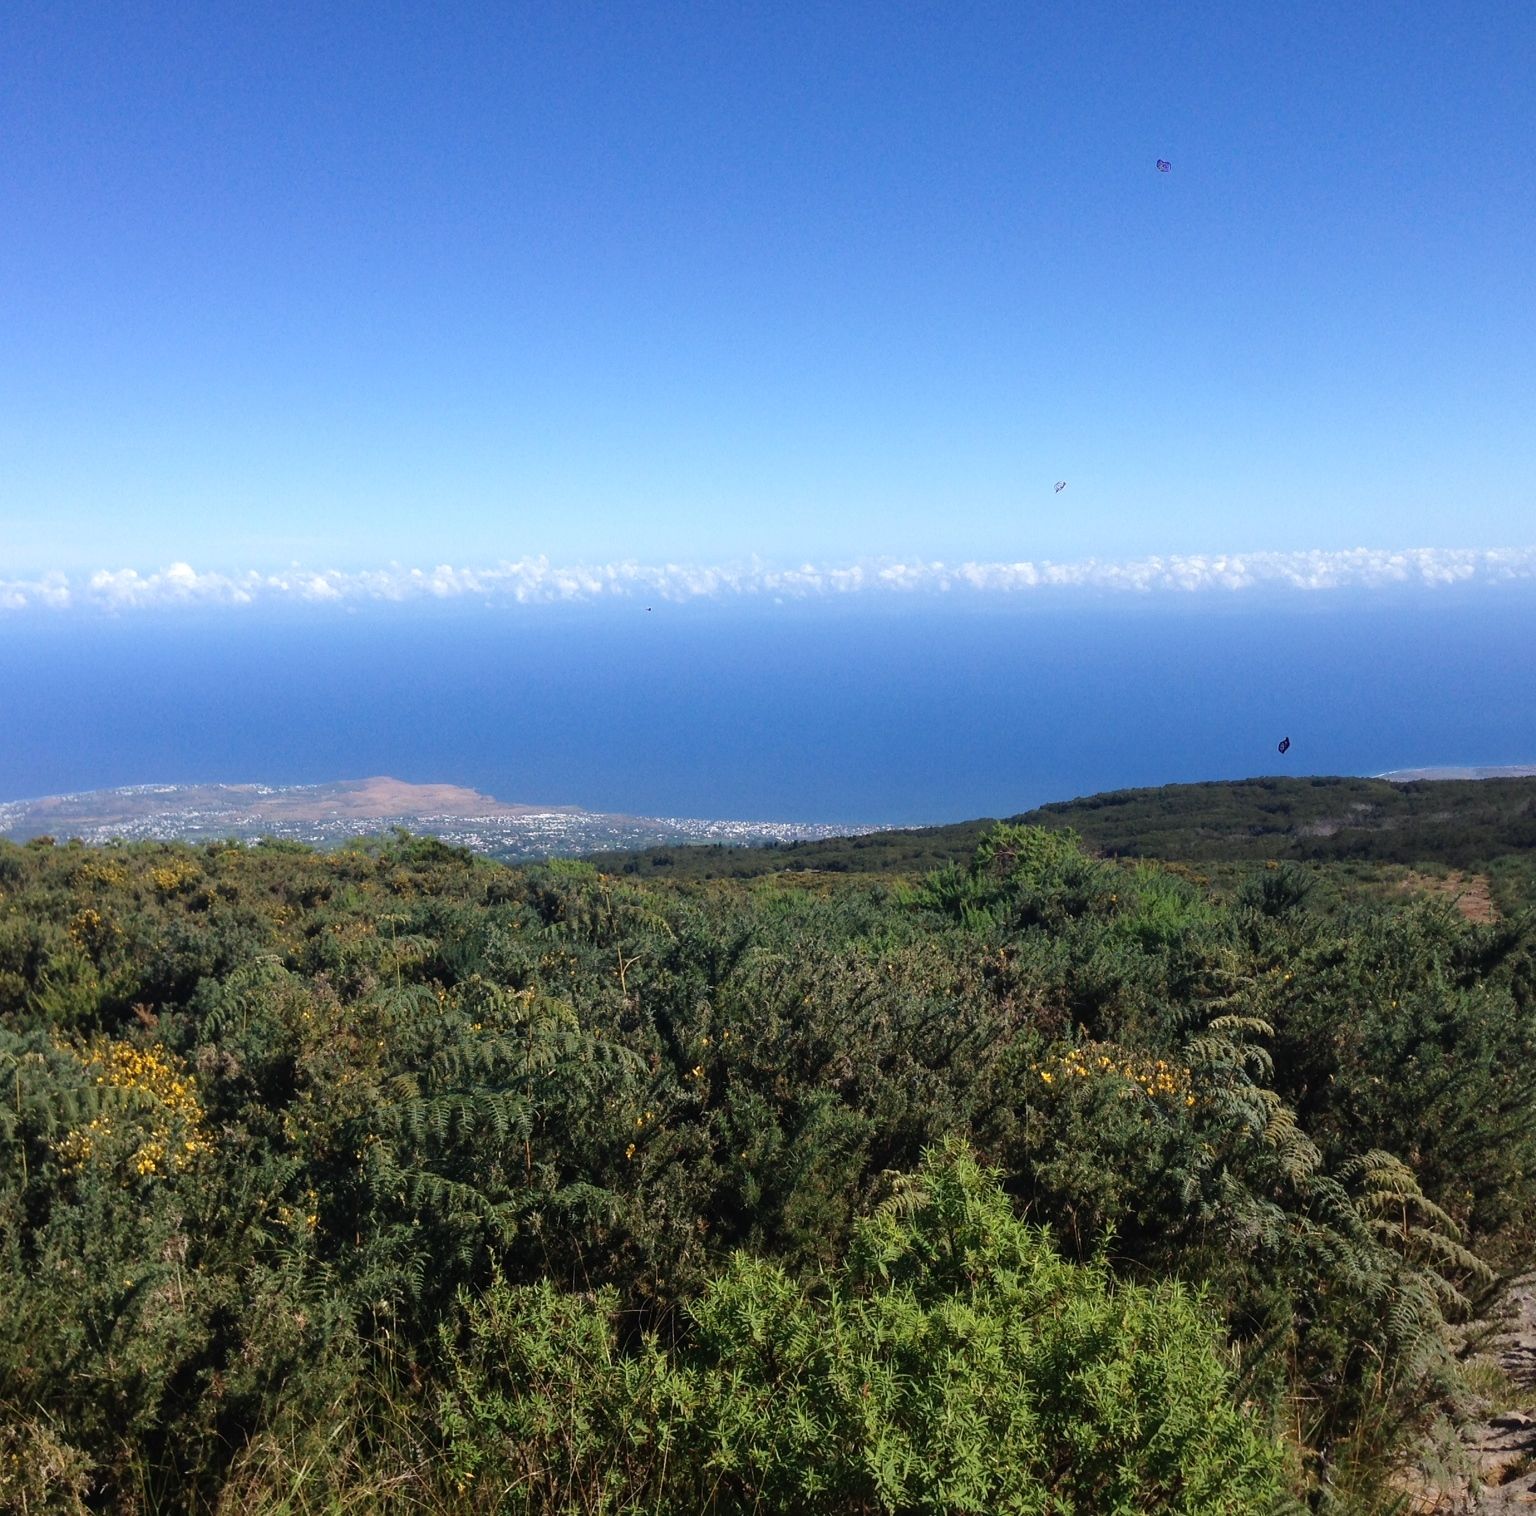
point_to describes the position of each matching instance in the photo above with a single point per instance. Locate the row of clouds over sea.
(535, 580)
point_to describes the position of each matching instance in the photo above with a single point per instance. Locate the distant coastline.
(341, 811)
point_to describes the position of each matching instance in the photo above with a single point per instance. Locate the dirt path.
(1468, 892)
(1502, 1449)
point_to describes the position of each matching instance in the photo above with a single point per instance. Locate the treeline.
(392, 1179)
(1453, 823)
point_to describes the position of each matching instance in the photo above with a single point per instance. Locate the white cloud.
(531, 581)
(52, 590)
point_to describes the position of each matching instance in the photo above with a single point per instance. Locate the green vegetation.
(1457, 823)
(396, 1180)
(904, 852)
(957, 1363)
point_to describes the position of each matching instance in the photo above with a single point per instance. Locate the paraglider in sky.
(1061, 484)
(1163, 165)
(1285, 744)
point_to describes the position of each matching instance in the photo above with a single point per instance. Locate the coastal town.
(329, 815)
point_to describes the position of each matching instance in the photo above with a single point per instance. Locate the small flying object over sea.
(1163, 165)
(1061, 484)
(1285, 744)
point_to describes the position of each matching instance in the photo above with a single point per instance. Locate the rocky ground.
(1502, 1449)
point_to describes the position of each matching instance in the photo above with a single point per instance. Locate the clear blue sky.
(350, 283)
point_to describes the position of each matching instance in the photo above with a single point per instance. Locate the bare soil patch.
(1469, 893)
(1501, 1450)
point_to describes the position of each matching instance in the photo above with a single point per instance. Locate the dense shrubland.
(1372, 825)
(393, 1179)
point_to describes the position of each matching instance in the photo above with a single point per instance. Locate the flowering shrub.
(1156, 1078)
(148, 1115)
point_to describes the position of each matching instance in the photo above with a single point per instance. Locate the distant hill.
(1386, 821)
(1443, 821)
(327, 814)
(1485, 771)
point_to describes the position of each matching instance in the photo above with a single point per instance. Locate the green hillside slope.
(1457, 824)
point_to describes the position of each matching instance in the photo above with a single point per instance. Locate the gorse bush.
(955, 1364)
(394, 1179)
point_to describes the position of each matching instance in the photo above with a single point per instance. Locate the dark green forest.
(1038, 1177)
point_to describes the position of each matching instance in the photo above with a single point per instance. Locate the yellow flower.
(166, 1100)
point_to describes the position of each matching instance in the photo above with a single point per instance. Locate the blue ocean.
(899, 712)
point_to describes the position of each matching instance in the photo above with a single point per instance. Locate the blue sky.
(348, 284)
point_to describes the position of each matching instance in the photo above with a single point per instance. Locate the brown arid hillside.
(383, 796)
(379, 797)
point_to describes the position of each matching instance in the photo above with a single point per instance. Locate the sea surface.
(901, 712)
